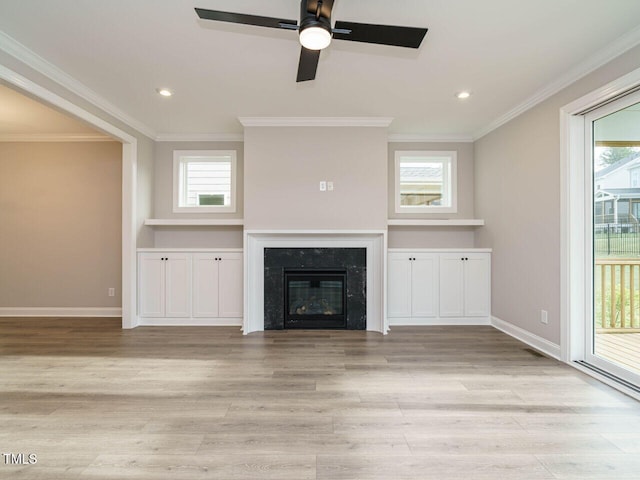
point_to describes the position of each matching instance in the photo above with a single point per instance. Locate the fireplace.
(315, 288)
(269, 252)
(315, 299)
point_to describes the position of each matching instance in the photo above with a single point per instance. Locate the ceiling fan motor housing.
(314, 18)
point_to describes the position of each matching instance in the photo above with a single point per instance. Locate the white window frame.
(635, 177)
(450, 181)
(179, 182)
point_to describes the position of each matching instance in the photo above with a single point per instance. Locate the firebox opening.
(315, 299)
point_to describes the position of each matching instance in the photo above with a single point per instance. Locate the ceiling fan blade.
(308, 64)
(244, 19)
(410, 37)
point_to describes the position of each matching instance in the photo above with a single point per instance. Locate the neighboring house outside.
(617, 192)
(421, 183)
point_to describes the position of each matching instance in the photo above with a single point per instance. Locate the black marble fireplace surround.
(351, 260)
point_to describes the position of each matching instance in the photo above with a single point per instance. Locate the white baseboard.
(60, 312)
(189, 322)
(416, 321)
(539, 343)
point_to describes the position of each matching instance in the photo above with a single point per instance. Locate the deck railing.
(617, 295)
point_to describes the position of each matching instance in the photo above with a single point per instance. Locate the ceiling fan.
(315, 31)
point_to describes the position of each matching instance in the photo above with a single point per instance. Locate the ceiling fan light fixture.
(315, 37)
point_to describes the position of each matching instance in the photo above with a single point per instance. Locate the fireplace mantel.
(255, 241)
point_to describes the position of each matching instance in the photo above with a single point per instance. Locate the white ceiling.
(504, 51)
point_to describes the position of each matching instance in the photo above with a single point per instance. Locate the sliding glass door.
(613, 151)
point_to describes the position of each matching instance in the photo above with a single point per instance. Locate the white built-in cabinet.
(164, 285)
(190, 287)
(413, 285)
(465, 285)
(426, 287)
(217, 285)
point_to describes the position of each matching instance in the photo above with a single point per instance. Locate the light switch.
(323, 186)
(330, 186)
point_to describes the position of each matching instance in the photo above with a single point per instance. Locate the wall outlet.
(323, 186)
(112, 292)
(544, 317)
(330, 186)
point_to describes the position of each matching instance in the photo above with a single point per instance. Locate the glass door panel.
(613, 146)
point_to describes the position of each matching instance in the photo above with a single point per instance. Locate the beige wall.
(198, 237)
(60, 224)
(431, 237)
(517, 191)
(145, 174)
(283, 168)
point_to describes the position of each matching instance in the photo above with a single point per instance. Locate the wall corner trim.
(545, 346)
(315, 121)
(200, 137)
(415, 138)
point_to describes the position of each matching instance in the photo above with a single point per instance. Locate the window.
(204, 181)
(635, 178)
(425, 182)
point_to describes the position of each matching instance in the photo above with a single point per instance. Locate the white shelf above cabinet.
(447, 222)
(195, 222)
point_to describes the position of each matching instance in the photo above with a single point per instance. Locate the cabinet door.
(477, 285)
(424, 285)
(151, 286)
(231, 285)
(205, 284)
(399, 285)
(451, 285)
(178, 285)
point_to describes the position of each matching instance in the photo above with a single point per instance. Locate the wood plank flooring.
(93, 401)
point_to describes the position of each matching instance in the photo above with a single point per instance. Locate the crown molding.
(315, 121)
(597, 60)
(200, 137)
(14, 48)
(54, 137)
(401, 138)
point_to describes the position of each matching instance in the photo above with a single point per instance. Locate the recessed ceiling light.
(165, 92)
(463, 95)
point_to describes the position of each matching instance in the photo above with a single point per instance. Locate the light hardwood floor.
(93, 401)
